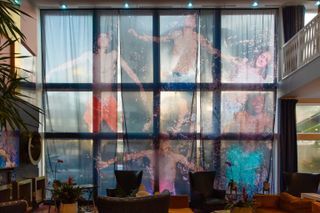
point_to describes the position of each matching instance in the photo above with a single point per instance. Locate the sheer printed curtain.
(165, 92)
(247, 106)
(68, 59)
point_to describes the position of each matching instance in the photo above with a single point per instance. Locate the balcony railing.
(302, 48)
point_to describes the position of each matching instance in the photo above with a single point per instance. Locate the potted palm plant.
(12, 101)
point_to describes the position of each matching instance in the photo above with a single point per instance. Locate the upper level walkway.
(301, 63)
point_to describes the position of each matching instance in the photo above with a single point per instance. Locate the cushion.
(291, 203)
(267, 201)
(268, 210)
(285, 201)
(142, 194)
(315, 207)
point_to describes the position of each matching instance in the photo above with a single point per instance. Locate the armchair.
(203, 197)
(127, 182)
(297, 183)
(284, 202)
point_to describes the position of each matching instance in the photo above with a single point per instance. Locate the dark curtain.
(293, 20)
(287, 138)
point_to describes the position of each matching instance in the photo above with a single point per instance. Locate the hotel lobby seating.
(283, 203)
(179, 204)
(147, 204)
(297, 183)
(17, 206)
(128, 182)
(203, 196)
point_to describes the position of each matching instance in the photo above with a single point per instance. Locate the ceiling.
(309, 4)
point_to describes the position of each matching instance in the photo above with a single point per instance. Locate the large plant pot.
(69, 207)
(241, 210)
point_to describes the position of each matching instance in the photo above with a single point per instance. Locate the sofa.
(283, 203)
(17, 206)
(179, 204)
(148, 204)
(315, 207)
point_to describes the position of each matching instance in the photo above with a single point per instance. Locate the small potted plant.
(241, 206)
(67, 194)
(232, 185)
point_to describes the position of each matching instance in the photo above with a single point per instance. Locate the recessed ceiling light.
(17, 2)
(190, 4)
(317, 3)
(255, 4)
(63, 6)
(126, 5)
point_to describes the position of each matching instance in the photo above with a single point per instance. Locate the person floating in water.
(167, 159)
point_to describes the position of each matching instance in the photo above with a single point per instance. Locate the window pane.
(177, 114)
(308, 118)
(105, 49)
(136, 52)
(77, 160)
(247, 112)
(209, 116)
(207, 27)
(68, 45)
(106, 178)
(247, 46)
(138, 111)
(67, 111)
(139, 155)
(248, 163)
(309, 156)
(178, 51)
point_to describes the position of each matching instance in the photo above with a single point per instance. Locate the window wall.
(163, 91)
(308, 127)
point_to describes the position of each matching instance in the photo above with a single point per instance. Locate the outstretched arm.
(235, 60)
(69, 64)
(162, 38)
(183, 160)
(127, 157)
(137, 155)
(104, 164)
(206, 44)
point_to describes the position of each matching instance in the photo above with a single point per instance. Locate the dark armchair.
(203, 196)
(128, 182)
(297, 183)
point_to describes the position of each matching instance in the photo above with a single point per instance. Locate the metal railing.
(302, 48)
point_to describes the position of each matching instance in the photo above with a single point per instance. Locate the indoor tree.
(12, 101)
